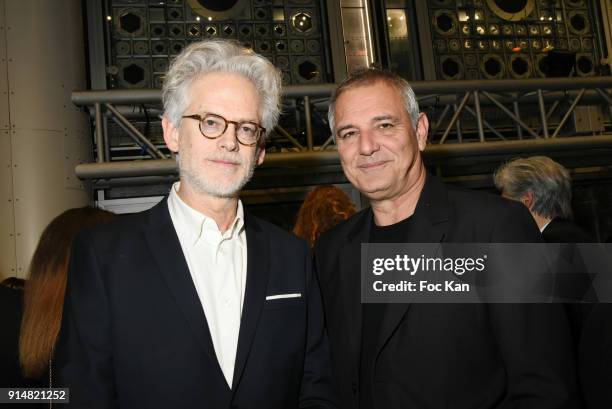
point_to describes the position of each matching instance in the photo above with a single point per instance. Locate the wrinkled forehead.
(369, 103)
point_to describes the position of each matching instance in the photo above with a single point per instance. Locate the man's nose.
(367, 143)
(228, 139)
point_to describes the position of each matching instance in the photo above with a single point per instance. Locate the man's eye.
(346, 135)
(210, 122)
(386, 125)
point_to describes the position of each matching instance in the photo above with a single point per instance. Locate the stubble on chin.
(206, 185)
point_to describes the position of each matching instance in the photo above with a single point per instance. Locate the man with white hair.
(196, 302)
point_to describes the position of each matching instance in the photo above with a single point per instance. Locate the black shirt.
(372, 314)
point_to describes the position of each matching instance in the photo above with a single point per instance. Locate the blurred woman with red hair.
(323, 208)
(45, 289)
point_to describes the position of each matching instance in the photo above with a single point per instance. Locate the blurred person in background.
(15, 283)
(545, 188)
(10, 316)
(44, 291)
(323, 208)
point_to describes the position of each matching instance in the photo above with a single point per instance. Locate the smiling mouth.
(372, 165)
(224, 162)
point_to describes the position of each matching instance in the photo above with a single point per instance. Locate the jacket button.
(354, 387)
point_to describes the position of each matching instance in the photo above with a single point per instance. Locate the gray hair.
(218, 55)
(548, 182)
(371, 76)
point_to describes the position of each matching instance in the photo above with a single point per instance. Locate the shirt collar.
(194, 225)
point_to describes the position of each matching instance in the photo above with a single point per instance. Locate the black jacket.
(565, 231)
(11, 309)
(135, 335)
(447, 355)
(591, 322)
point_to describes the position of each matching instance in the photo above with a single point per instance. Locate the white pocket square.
(279, 296)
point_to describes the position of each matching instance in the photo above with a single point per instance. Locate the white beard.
(193, 174)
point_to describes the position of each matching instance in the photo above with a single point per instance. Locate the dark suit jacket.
(592, 326)
(595, 357)
(135, 335)
(565, 231)
(572, 282)
(11, 312)
(447, 355)
(11, 308)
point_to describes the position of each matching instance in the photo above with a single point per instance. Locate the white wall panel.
(7, 218)
(40, 190)
(4, 96)
(45, 56)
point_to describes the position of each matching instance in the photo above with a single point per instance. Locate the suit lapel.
(429, 226)
(166, 250)
(258, 258)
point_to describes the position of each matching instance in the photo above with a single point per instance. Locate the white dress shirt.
(545, 226)
(217, 263)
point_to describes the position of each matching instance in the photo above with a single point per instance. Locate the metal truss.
(485, 118)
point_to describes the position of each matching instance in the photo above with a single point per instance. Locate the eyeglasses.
(213, 126)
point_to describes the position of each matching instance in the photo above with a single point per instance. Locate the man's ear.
(527, 200)
(260, 153)
(171, 135)
(422, 129)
